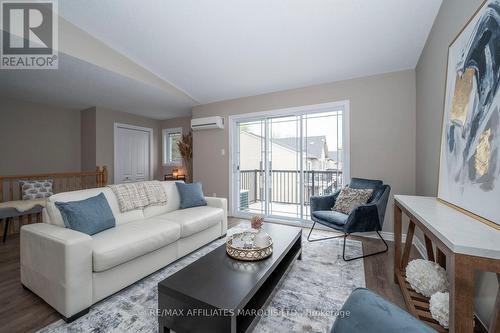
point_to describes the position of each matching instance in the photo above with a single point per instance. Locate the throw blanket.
(23, 205)
(139, 195)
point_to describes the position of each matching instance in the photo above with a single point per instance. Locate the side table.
(8, 213)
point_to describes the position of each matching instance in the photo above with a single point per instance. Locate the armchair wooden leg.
(365, 255)
(319, 239)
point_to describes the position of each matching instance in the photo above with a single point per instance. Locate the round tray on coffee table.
(248, 253)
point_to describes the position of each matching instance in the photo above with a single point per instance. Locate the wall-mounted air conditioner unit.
(207, 123)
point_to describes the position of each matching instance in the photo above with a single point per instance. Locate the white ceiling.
(78, 85)
(222, 49)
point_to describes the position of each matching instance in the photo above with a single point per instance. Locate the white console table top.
(459, 232)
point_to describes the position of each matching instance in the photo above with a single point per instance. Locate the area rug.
(307, 300)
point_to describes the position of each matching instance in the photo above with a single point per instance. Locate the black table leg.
(6, 227)
(163, 329)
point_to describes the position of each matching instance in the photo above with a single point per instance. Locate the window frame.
(166, 132)
(344, 158)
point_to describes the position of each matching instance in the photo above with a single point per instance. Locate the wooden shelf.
(463, 247)
(417, 304)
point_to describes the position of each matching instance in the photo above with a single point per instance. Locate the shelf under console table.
(463, 245)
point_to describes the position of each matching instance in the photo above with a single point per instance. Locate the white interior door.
(132, 154)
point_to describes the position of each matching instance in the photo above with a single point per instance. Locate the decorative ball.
(439, 304)
(426, 277)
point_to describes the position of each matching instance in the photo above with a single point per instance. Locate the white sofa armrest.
(219, 203)
(56, 264)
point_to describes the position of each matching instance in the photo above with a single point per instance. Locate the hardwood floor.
(379, 272)
(23, 311)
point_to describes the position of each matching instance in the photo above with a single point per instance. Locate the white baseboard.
(420, 247)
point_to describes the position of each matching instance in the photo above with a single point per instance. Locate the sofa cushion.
(115, 246)
(89, 216)
(194, 220)
(173, 201)
(55, 217)
(191, 195)
(36, 189)
(330, 216)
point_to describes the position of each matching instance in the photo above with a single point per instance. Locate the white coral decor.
(439, 305)
(426, 277)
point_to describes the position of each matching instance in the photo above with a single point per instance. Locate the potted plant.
(186, 150)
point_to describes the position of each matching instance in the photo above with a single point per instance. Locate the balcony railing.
(285, 185)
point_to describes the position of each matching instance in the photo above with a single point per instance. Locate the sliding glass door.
(249, 167)
(279, 162)
(284, 167)
(323, 154)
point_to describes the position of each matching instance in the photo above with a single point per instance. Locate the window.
(280, 160)
(171, 154)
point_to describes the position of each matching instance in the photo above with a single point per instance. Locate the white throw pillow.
(36, 189)
(351, 198)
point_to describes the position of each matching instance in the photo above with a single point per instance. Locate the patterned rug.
(307, 300)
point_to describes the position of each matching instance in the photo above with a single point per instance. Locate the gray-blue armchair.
(365, 218)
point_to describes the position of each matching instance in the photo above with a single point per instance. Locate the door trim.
(151, 150)
(305, 109)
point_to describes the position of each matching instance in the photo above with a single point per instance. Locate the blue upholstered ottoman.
(371, 313)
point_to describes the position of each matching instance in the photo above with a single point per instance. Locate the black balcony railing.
(285, 185)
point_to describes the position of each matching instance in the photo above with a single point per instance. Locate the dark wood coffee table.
(219, 294)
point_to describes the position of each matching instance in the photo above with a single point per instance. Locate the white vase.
(261, 239)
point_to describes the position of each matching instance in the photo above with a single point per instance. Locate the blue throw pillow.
(191, 195)
(89, 216)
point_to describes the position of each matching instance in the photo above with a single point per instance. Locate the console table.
(463, 245)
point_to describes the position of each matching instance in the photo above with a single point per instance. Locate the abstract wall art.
(469, 172)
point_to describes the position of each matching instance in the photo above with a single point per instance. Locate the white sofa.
(71, 270)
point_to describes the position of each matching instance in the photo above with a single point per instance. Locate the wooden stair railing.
(10, 188)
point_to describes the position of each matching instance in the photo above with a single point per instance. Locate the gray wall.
(37, 138)
(430, 83)
(185, 124)
(98, 137)
(88, 131)
(382, 130)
